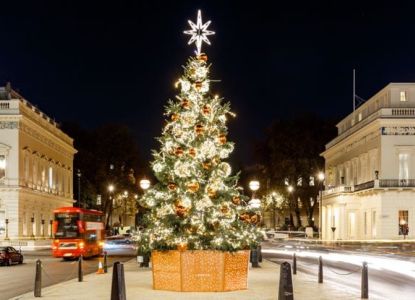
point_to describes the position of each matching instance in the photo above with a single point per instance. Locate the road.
(19, 279)
(385, 282)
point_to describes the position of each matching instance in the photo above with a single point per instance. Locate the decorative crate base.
(200, 270)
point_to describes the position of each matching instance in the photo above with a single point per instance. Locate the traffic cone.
(100, 267)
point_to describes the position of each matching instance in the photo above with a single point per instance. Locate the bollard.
(294, 264)
(80, 272)
(38, 279)
(118, 282)
(105, 262)
(285, 291)
(365, 282)
(254, 258)
(260, 253)
(320, 270)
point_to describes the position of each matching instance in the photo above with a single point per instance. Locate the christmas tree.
(196, 203)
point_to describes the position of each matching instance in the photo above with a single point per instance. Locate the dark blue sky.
(117, 61)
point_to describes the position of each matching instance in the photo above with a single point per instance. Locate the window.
(365, 222)
(311, 182)
(373, 224)
(403, 96)
(403, 222)
(2, 166)
(403, 168)
(50, 177)
(360, 116)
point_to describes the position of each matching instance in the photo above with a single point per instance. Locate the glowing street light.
(290, 189)
(144, 184)
(321, 178)
(254, 185)
(111, 188)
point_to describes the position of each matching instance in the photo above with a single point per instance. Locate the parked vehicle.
(9, 256)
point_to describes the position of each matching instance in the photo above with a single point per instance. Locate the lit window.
(403, 96)
(403, 168)
(360, 117)
(2, 166)
(311, 182)
(403, 222)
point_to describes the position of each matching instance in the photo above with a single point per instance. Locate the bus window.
(67, 225)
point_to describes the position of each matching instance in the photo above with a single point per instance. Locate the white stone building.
(36, 168)
(370, 169)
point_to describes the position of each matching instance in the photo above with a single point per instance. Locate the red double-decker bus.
(77, 232)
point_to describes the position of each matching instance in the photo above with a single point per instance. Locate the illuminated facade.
(36, 161)
(370, 170)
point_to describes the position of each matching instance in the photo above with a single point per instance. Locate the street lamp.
(321, 178)
(290, 190)
(111, 189)
(144, 184)
(255, 255)
(125, 196)
(78, 174)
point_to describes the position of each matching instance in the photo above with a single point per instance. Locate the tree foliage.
(290, 154)
(106, 155)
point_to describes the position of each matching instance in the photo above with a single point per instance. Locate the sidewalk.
(262, 285)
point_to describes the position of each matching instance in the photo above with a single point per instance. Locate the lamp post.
(144, 258)
(125, 196)
(320, 177)
(51, 227)
(111, 189)
(7, 230)
(78, 174)
(32, 220)
(290, 190)
(255, 204)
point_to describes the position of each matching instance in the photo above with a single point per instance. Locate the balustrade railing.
(397, 183)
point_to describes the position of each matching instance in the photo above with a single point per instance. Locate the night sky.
(117, 61)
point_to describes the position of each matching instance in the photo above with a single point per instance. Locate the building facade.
(370, 170)
(36, 168)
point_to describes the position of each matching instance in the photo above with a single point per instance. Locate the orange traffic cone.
(100, 268)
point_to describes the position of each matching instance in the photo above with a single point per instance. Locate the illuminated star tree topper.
(199, 32)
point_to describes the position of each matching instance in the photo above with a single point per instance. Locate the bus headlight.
(101, 244)
(81, 245)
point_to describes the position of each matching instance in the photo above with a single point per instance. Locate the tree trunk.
(298, 215)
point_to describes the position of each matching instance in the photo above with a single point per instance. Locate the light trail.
(378, 263)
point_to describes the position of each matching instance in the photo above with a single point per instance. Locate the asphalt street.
(19, 279)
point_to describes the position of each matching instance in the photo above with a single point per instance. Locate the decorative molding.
(35, 134)
(9, 125)
(407, 130)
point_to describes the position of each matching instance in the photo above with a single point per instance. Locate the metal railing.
(397, 183)
(364, 186)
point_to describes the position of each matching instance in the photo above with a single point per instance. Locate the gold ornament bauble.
(206, 109)
(178, 151)
(206, 165)
(199, 129)
(211, 192)
(175, 117)
(222, 139)
(224, 209)
(181, 211)
(202, 57)
(192, 152)
(236, 200)
(193, 187)
(171, 186)
(198, 85)
(185, 103)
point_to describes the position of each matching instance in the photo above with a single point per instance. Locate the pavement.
(262, 285)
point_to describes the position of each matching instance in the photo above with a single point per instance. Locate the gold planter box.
(200, 270)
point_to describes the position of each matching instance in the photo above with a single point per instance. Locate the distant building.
(370, 170)
(36, 168)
